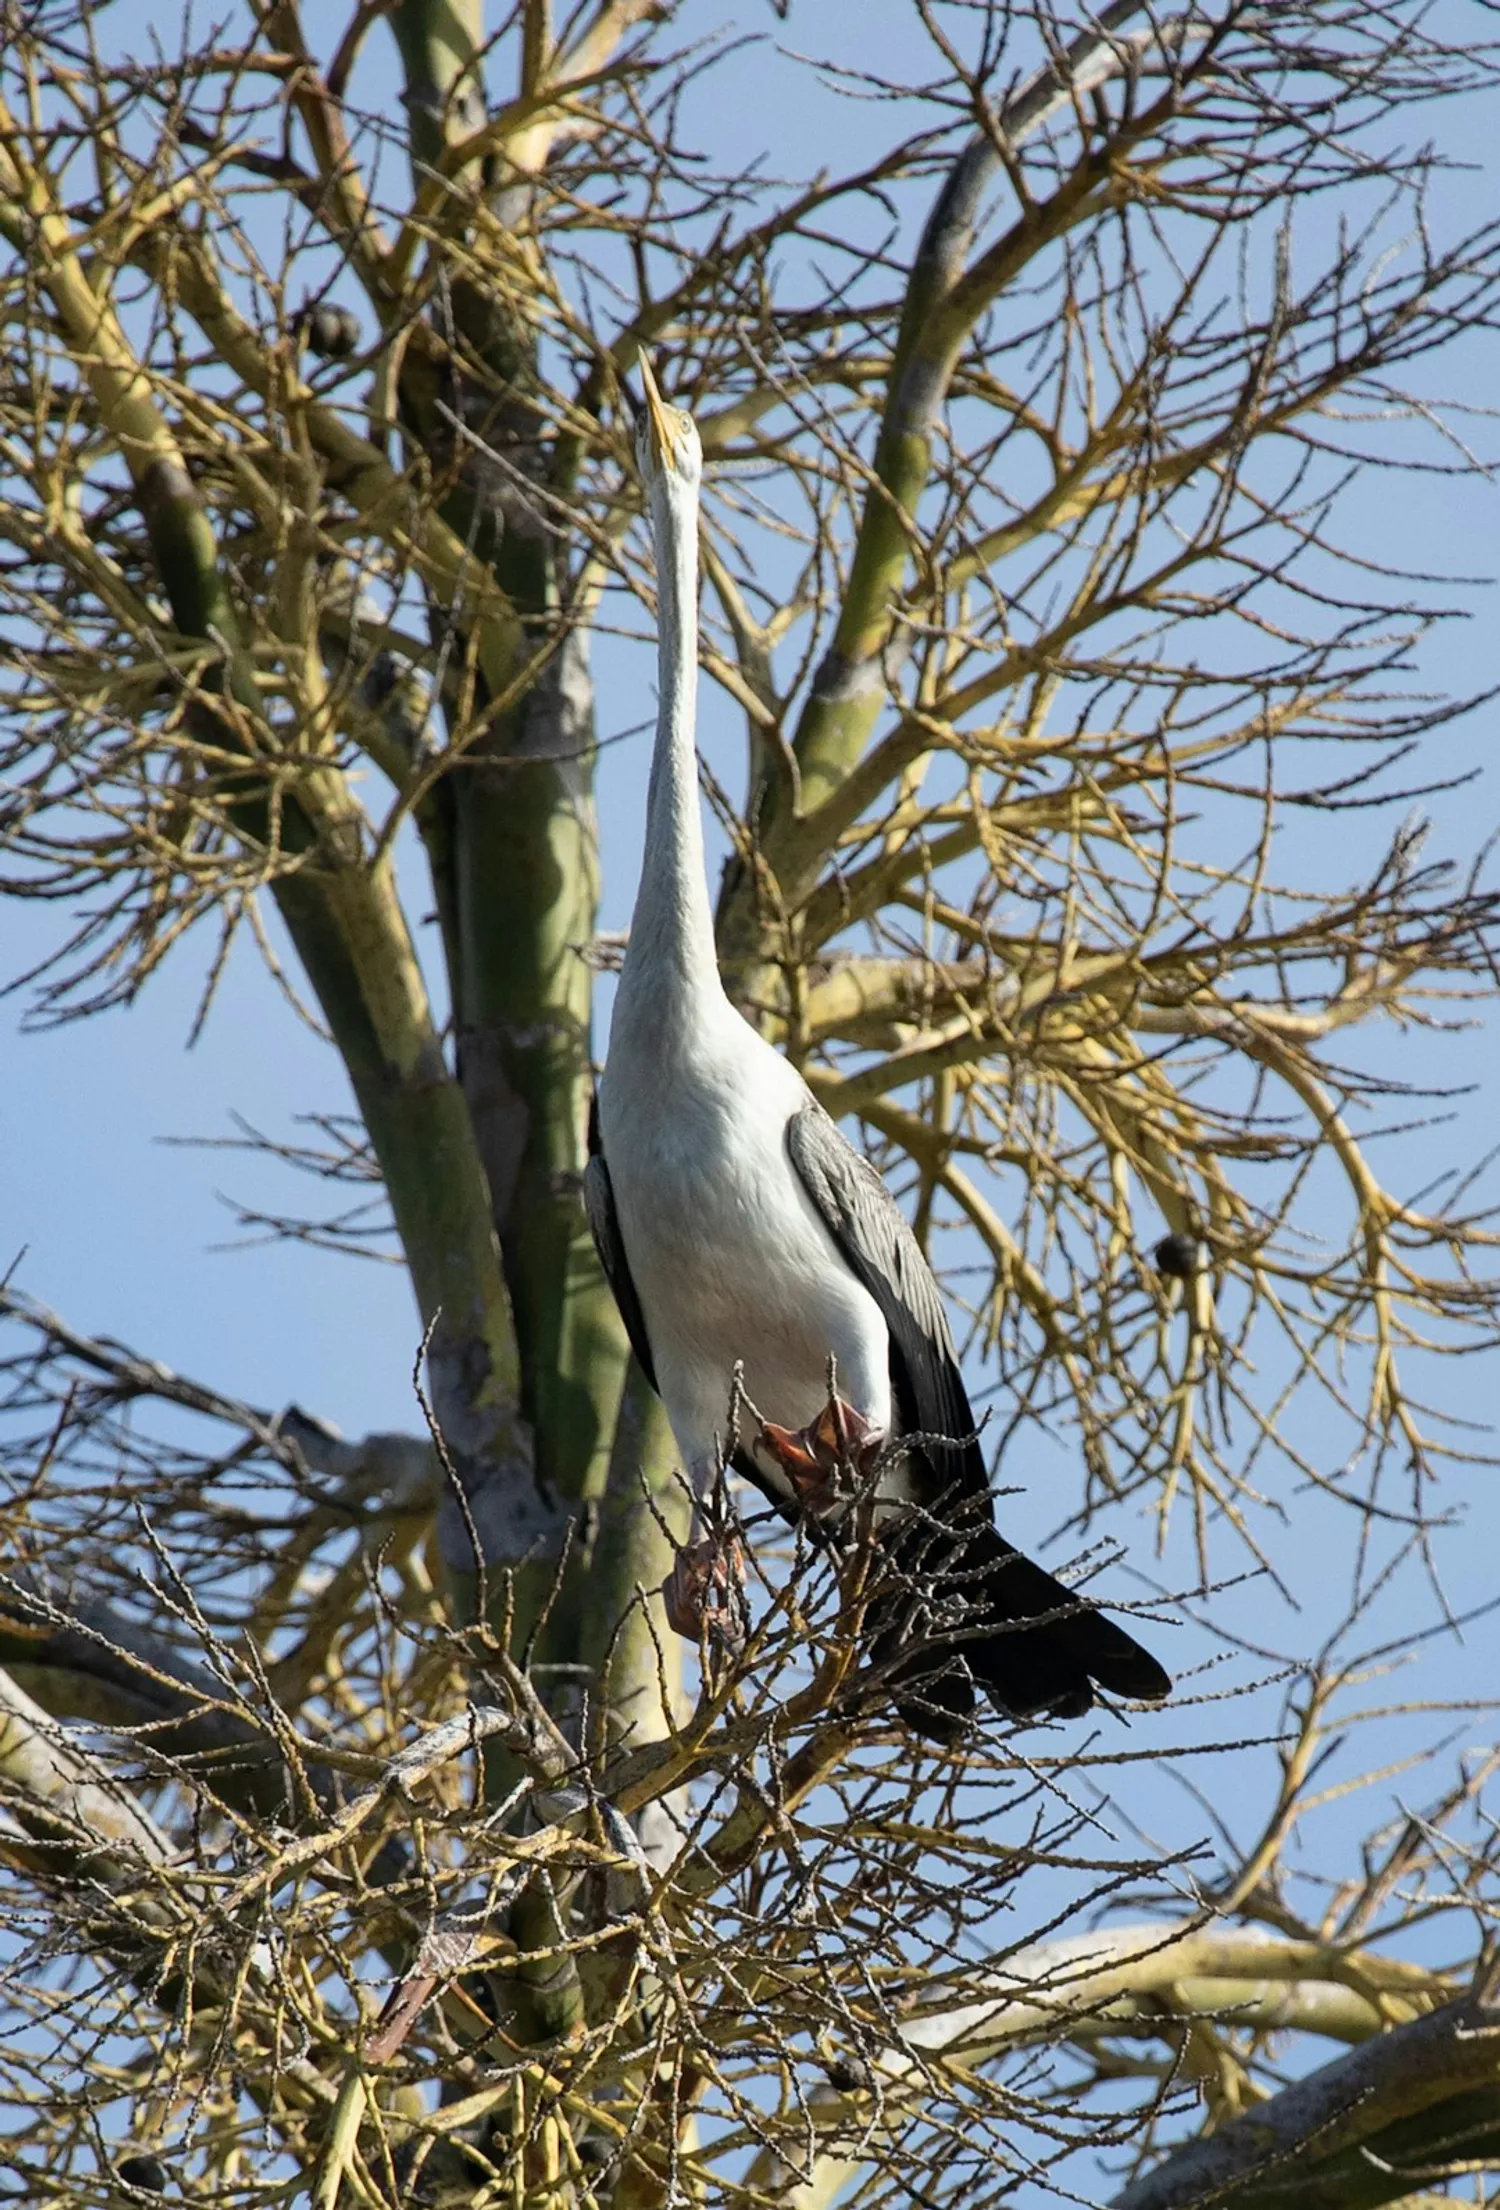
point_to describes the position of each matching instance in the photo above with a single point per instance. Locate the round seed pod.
(332, 333)
(1177, 1256)
(148, 2173)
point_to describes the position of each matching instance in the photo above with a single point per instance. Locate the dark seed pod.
(332, 333)
(146, 2172)
(849, 2074)
(1177, 1255)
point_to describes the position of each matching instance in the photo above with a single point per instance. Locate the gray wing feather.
(871, 1232)
(604, 1226)
(1056, 1643)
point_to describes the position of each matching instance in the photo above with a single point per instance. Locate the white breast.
(731, 1262)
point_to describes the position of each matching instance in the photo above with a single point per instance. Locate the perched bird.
(740, 1231)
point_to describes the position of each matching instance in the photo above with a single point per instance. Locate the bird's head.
(666, 439)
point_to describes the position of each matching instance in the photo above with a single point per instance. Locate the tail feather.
(969, 1609)
(1048, 1647)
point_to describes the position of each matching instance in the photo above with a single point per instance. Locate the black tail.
(964, 1608)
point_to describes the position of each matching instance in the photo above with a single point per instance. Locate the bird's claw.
(705, 1592)
(818, 1459)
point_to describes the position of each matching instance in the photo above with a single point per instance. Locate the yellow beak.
(656, 409)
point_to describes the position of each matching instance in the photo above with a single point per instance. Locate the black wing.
(1044, 1644)
(604, 1225)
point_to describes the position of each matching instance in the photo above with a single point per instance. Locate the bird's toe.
(704, 1594)
(827, 1460)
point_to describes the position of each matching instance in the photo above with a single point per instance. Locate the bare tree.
(368, 1842)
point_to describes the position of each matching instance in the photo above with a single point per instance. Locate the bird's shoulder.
(851, 1193)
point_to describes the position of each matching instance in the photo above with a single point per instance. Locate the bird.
(749, 1245)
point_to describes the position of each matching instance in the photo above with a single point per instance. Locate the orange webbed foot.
(819, 1459)
(705, 1592)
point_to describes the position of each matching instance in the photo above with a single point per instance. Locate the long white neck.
(671, 975)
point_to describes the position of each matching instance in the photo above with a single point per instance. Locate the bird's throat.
(671, 972)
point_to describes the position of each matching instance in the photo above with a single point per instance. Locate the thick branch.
(1357, 2133)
